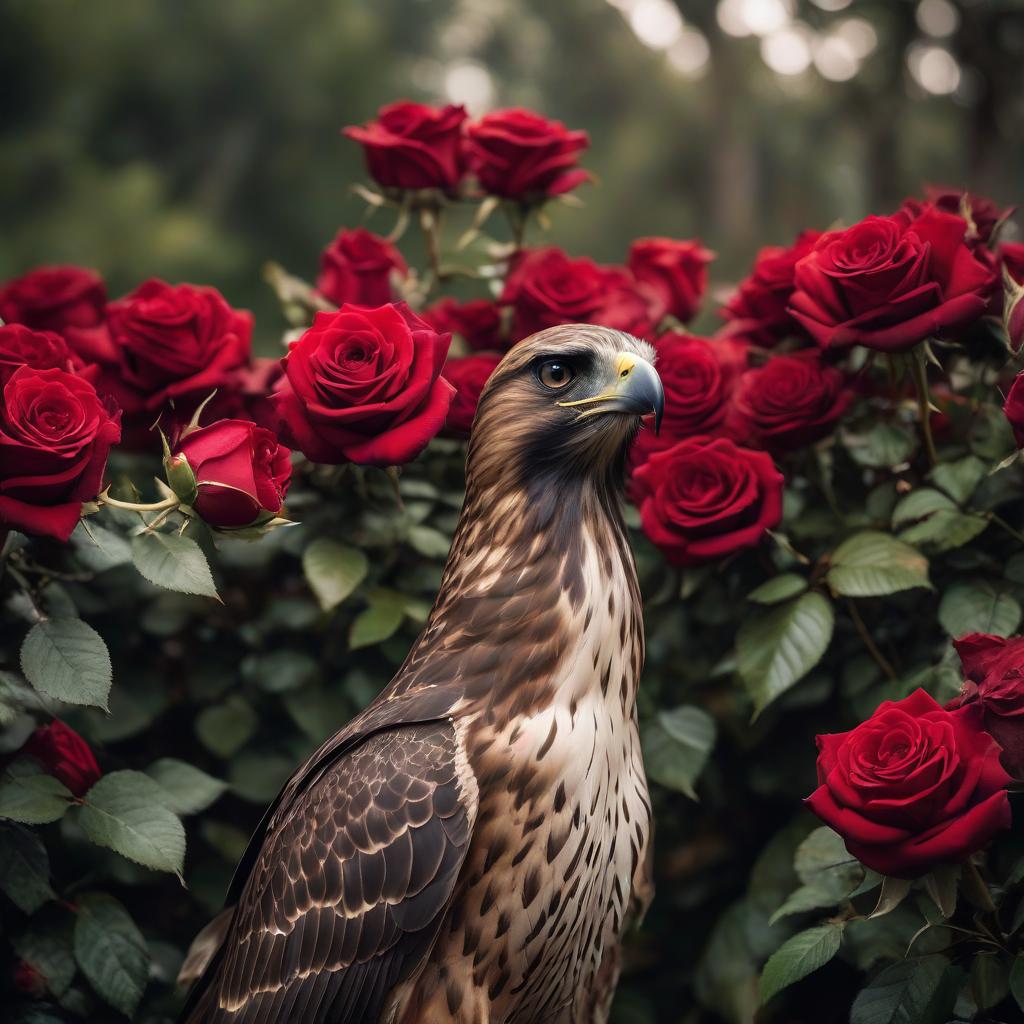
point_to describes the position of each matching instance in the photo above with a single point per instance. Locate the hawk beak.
(637, 390)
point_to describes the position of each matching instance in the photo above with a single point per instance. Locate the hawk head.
(567, 402)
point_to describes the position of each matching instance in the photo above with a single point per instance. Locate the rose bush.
(829, 517)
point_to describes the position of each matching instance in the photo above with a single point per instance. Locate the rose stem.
(131, 506)
(919, 368)
(869, 641)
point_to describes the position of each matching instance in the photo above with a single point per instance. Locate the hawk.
(470, 847)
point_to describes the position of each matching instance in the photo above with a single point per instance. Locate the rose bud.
(413, 146)
(788, 402)
(233, 473)
(698, 375)
(705, 498)
(517, 154)
(675, 272)
(912, 787)
(1014, 408)
(994, 667)
(364, 385)
(55, 435)
(891, 282)
(22, 346)
(477, 322)
(62, 753)
(468, 376)
(759, 307)
(359, 266)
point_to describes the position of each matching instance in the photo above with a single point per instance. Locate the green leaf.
(799, 956)
(226, 728)
(823, 863)
(959, 479)
(24, 868)
(333, 570)
(111, 951)
(173, 562)
(919, 504)
(379, 621)
(976, 606)
(259, 776)
(30, 796)
(918, 991)
(188, 789)
(281, 670)
(777, 648)
(1017, 980)
(49, 947)
(429, 542)
(676, 747)
(789, 584)
(941, 884)
(872, 564)
(127, 812)
(799, 901)
(945, 530)
(989, 980)
(68, 660)
(98, 548)
(884, 445)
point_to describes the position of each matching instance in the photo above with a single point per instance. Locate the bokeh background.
(194, 140)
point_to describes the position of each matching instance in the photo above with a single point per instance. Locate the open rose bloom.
(913, 787)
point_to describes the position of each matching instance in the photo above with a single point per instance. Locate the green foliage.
(128, 812)
(67, 659)
(918, 991)
(31, 797)
(333, 570)
(873, 564)
(174, 562)
(799, 956)
(24, 868)
(111, 951)
(777, 648)
(677, 744)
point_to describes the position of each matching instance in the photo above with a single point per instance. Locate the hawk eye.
(555, 374)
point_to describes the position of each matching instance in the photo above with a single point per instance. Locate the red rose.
(518, 154)
(1014, 409)
(760, 304)
(52, 298)
(364, 385)
(468, 376)
(21, 346)
(704, 498)
(413, 146)
(981, 213)
(788, 402)
(698, 375)
(65, 755)
(239, 472)
(177, 341)
(994, 667)
(1011, 257)
(55, 435)
(675, 272)
(913, 786)
(545, 287)
(890, 282)
(358, 267)
(477, 322)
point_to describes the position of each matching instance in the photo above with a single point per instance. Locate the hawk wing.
(349, 886)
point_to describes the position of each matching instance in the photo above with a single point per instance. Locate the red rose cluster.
(514, 154)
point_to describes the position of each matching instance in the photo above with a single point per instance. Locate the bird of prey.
(471, 846)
